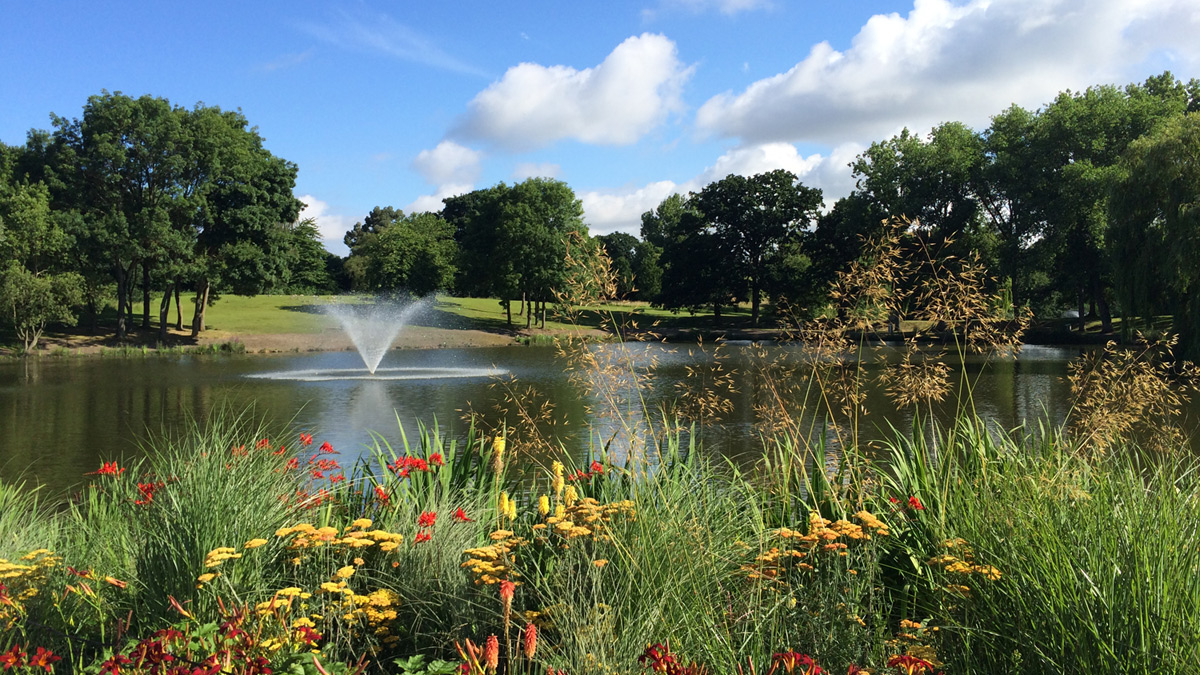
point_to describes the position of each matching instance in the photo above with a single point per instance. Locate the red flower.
(43, 658)
(239, 451)
(280, 451)
(597, 467)
(147, 490)
(305, 439)
(110, 469)
(326, 448)
(790, 660)
(293, 463)
(338, 478)
(507, 589)
(426, 519)
(915, 504)
(422, 536)
(317, 474)
(263, 443)
(308, 635)
(381, 494)
(854, 669)
(13, 658)
(911, 665)
(893, 500)
(113, 665)
(436, 459)
(461, 516)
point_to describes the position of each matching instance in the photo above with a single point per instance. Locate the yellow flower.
(558, 479)
(284, 531)
(388, 546)
(560, 511)
(346, 572)
(502, 507)
(359, 561)
(254, 543)
(361, 523)
(600, 563)
(544, 505)
(207, 577)
(570, 497)
(512, 509)
(498, 444)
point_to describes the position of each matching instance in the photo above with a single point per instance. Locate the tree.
(513, 240)
(752, 218)
(305, 261)
(621, 249)
(413, 255)
(35, 290)
(1155, 210)
(694, 272)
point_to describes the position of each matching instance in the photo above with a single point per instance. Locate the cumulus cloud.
(955, 61)
(330, 225)
(433, 202)
(448, 163)
(622, 208)
(615, 103)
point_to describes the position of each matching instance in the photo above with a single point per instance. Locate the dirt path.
(413, 337)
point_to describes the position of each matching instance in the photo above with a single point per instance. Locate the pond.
(60, 418)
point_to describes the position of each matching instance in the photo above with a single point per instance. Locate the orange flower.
(530, 641)
(491, 653)
(911, 665)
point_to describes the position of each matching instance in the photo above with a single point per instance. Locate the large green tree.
(412, 255)
(753, 218)
(1155, 236)
(36, 289)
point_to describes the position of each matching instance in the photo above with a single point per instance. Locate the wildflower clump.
(959, 564)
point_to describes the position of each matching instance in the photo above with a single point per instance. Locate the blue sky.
(401, 103)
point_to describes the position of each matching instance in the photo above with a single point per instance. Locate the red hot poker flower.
(426, 519)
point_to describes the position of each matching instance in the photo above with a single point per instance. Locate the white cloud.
(448, 163)
(525, 170)
(330, 225)
(956, 61)
(621, 209)
(614, 103)
(607, 211)
(433, 202)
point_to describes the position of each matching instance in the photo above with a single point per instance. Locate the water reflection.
(60, 418)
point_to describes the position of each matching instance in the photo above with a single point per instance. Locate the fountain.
(372, 328)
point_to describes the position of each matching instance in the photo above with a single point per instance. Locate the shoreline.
(428, 337)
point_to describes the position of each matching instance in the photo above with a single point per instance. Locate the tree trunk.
(145, 296)
(528, 313)
(717, 313)
(508, 311)
(201, 304)
(121, 295)
(522, 309)
(178, 308)
(164, 312)
(543, 315)
(1082, 309)
(755, 299)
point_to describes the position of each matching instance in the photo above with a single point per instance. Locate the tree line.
(1087, 203)
(142, 199)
